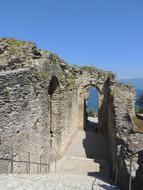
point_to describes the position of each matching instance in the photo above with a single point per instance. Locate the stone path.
(87, 155)
(52, 182)
(84, 167)
(88, 167)
(89, 145)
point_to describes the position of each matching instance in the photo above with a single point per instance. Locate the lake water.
(139, 92)
(92, 102)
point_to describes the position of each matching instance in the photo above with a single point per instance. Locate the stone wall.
(31, 120)
(125, 143)
(139, 173)
(24, 114)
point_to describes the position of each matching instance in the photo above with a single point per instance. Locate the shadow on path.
(96, 147)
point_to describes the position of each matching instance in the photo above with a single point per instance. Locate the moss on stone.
(14, 42)
(41, 73)
(88, 68)
(44, 74)
(54, 58)
(111, 75)
(70, 82)
(36, 75)
(113, 92)
(28, 79)
(7, 93)
(14, 51)
(29, 61)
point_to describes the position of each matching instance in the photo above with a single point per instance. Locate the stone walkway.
(84, 167)
(52, 182)
(87, 155)
(89, 145)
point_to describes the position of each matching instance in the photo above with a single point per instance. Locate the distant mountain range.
(136, 82)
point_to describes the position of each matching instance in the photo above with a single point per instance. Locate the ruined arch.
(82, 104)
(92, 85)
(102, 105)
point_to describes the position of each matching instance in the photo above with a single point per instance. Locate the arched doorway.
(101, 100)
(92, 109)
(90, 104)
(89, 148)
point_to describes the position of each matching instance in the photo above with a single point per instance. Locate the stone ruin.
(42, 103)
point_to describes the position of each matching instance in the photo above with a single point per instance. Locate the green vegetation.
(111, 75)
(139, 123)
(88, 68)
(91, 112)
(29, 61)
(12, 41)
(14, 51)
(113, 92)
(36, 76)
(54, 58)
(70, 82)
(42, 74)
(140, 110)
(7, 93)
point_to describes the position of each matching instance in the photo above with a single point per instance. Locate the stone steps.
(85, 166)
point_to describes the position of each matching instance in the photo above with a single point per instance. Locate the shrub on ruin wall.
(91, 113)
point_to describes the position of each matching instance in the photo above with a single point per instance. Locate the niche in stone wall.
(54, 83)
(92, 107)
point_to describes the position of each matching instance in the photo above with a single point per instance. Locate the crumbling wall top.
(15, 54)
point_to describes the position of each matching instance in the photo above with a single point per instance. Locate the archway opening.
(92, 109)
(89, 147)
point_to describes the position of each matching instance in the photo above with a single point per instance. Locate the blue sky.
(104, 33)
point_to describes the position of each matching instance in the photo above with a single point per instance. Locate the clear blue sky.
(104, 33)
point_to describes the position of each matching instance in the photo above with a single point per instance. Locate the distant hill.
(136, 82)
